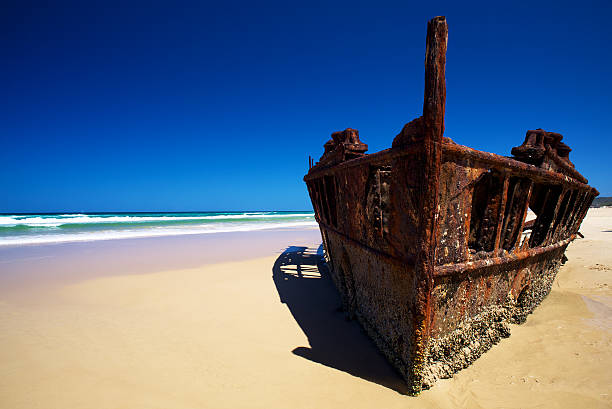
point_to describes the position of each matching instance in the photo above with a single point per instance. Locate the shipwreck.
(429, 242)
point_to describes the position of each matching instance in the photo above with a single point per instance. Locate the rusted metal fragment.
(455, 203)
(545, 150)
(487, 198)
(429, 243)
(519, 193)
(378, 202)
(344, 145)
(534, 147)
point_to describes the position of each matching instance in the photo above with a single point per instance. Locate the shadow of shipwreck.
(304, 284)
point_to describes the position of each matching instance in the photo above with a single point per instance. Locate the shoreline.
(33, 265)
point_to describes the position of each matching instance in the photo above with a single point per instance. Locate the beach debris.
(428, 242)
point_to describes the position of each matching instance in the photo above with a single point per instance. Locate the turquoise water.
(16, 229)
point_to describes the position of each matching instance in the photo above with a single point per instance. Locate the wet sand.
(250, 320)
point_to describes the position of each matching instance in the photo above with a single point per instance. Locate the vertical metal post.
(433, 129)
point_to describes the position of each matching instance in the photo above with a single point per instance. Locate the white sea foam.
(152, 232)
(61, 220)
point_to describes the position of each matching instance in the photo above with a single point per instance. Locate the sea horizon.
(61, 227)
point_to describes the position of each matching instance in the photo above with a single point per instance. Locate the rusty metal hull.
(430, 243)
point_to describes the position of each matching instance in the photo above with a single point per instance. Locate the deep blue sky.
(174, 106)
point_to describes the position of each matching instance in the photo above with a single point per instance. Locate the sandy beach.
(251, 320)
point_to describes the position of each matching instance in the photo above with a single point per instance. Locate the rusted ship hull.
(429, 243)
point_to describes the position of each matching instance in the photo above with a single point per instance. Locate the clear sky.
(171, 106)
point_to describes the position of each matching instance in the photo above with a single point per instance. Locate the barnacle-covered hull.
(431, 244)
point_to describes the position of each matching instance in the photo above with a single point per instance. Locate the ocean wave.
(153, 232)
(93, 219)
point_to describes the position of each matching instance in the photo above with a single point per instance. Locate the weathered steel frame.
(424, 139)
